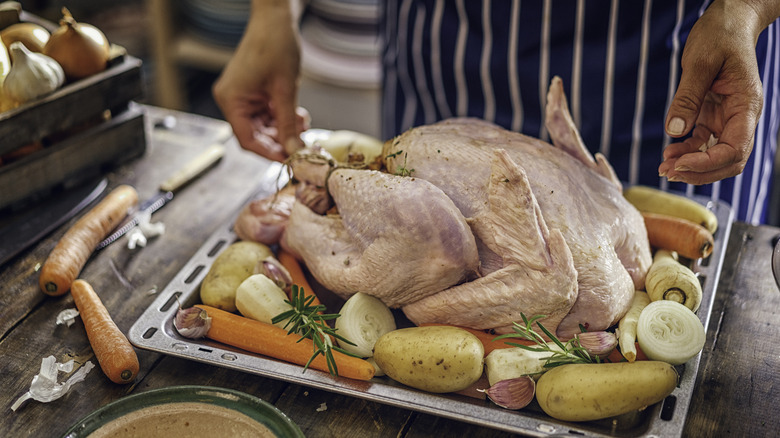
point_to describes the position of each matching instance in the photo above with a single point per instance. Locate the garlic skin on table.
(32, 75)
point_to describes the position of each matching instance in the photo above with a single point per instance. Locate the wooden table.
(736, 389)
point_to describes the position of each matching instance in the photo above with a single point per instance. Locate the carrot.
(272, 341)
(687, 238)
(487, 339)
(114, 353)
(296, 273)
(74, 248)
(617, 356)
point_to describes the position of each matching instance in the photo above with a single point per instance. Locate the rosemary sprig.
(311, 322)
(570, 352)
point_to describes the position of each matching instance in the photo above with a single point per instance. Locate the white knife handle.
(193, 168)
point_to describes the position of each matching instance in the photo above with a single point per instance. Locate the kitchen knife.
(179, 179)
(23, 229)
(776, 260)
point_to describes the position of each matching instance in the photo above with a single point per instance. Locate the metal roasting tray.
(154, 331)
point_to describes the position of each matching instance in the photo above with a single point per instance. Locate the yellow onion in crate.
(80, 48)
(33, 36)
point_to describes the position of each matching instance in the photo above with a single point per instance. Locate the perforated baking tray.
(154, 331)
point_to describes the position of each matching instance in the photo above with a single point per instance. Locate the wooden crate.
(83, 128)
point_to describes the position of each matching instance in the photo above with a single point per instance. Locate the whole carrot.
(114, 353)
(74, 248)
(272, 341)
(296, 273)
(688, 238)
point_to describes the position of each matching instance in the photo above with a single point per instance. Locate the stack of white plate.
(340, 42)
(220, 22)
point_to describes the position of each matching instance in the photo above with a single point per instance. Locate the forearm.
(269, 17)
(756, 15)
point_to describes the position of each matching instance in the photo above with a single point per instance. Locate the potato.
(585, 392)
(435, 358)
(234, 265)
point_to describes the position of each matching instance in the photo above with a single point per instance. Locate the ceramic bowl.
(190, 402)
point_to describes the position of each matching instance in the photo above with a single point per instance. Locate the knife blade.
(776, 260)
(176, 181)
(32, 224)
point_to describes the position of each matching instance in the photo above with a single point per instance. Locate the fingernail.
(674, 178)
(662, 173)
(676, 126)
(682, 169)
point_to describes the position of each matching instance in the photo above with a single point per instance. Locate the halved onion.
(670, 332)
(363, 320)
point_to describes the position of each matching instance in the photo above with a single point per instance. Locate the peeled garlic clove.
(514, 393)
(192, 323)
(597, 343)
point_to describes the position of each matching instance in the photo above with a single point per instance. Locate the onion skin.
(32, 35)
(81, 49)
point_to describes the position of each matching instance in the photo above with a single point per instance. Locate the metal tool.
(182, 177)
(776, 260)
(27, 227)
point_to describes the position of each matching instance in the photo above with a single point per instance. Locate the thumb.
(286, 119)
(688, 100)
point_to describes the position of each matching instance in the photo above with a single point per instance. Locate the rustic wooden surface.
(734, 396)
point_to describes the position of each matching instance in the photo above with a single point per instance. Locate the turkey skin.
(474, 225)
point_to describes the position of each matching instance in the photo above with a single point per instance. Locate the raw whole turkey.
(473, 225)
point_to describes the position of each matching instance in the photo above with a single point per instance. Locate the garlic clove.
(273, 269)
(192, 323)
(514, 393)
(597, 343)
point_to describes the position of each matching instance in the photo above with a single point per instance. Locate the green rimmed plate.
(177, 408)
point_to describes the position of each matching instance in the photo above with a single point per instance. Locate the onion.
(363, 320)
(81, 49)
(33, 36)
(670, 332)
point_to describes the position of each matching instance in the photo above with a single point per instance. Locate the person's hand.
(257, 90)
(720, 96)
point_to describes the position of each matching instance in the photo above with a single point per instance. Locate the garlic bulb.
(5, 66)
(32, 75)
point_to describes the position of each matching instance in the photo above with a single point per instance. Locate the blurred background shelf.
(185, 44)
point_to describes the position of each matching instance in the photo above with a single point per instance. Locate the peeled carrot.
(296, 273)
(687, 238)
(487, 339)
(114, 353)
(75, 247)
(272, 341)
